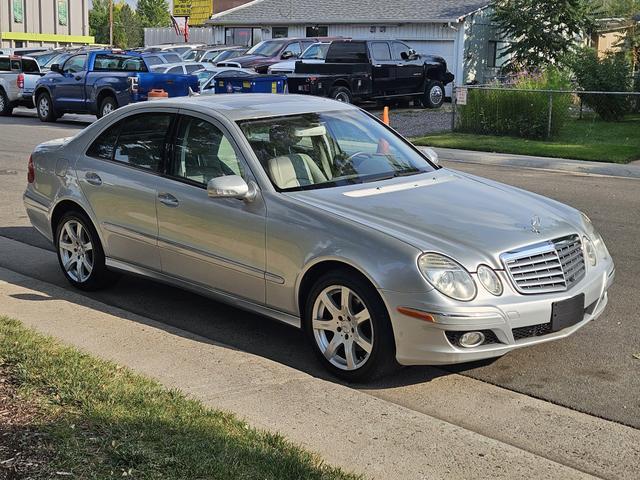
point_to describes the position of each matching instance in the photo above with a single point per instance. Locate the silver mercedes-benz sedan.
(315, 213)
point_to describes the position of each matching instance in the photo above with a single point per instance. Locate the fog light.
(471, 339)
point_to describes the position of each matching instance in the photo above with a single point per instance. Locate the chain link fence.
(534, 114)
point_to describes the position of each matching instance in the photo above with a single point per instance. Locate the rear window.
(153, 60)
(347, 52)
(30, 66)
(172, 58)
(118, 63)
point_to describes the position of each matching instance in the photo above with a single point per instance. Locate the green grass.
(103, 421)
(587, 139)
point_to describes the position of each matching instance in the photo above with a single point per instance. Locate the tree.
(542, 33)
(127, 31)
(99, 21)
(153, 13)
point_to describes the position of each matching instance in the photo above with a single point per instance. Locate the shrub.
(609, 74)
(519, 109)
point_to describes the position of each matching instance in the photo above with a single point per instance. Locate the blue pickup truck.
(99, 81)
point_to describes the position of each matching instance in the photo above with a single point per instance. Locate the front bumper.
(511, 321)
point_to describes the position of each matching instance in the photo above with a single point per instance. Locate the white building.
(458, 30)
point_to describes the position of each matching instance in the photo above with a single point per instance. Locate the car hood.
(252, 60)
(469, 218)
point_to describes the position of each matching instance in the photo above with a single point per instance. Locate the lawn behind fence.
(587, 139)
(97, 420)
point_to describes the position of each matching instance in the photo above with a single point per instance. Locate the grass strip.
(588, 139)
(101, 420)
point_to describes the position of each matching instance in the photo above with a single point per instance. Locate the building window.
(492, 54)
(318, 31)
(18, 11)
(279, 32)
(238, 36)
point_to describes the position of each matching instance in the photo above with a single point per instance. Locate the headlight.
(447, 276)
(490, 280)
(589, 251)
(595, 237)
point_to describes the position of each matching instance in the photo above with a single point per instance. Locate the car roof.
(245, 106)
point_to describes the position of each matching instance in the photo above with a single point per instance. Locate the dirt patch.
(24, 452)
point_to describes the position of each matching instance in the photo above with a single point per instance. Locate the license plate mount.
(567, 313)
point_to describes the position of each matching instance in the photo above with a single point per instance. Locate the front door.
(70, 90)
(384, 69)
(118, 176)
(410, 71)
(218, 243)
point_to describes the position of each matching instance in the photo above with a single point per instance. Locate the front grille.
(531, 331)
(489, 337)
(553, 266)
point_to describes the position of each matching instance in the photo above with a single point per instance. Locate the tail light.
(31, 171)
(20, 80)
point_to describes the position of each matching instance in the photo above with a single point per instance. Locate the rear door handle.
(168, 200)
(93, 178)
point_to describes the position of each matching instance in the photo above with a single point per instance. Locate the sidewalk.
(349, 428)
(546, 163)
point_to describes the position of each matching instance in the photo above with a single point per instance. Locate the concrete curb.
(543, 163)
(346, 427)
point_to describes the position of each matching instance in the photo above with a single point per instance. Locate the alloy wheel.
(76, 251)
(435, 95)
(43, 107)
(107, 108)
(1, 102)
(342, 97)
(342, 327)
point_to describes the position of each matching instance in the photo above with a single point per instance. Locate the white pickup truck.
(18, 77)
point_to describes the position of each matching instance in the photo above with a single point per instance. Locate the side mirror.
(231, 186)
(56, 68)
(431, 154)
(287, 54)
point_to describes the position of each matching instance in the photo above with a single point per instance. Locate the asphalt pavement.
(594, 371)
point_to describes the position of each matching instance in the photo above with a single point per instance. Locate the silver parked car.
(314, 213)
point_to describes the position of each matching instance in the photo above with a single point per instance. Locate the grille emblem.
(536, 224)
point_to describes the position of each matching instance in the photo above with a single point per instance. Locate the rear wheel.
(107, 106)
(44, 106)
(80, 253)
(5, 106)
(341, 94)
(349, 328)
(433, 95)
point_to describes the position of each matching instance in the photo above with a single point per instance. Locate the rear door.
(409, 72)
(118, 175)
(384, 68)
(69, 88)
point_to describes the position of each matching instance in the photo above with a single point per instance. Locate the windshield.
(317, 51)
(320, 150)
(193, 55)
(266, 48)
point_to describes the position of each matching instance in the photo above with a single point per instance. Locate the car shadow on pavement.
(194, 316)
(30, 118)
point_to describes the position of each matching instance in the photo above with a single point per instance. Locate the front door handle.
(93, 178)
(168, 200)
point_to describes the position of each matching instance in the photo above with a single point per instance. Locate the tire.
(44, 107)
(433, 95)
(85, 262)
(6, 108)
(369, 338)
(341, 94)
(107, 105)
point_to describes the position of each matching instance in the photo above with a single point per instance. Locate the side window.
(398, 48)
(172, 58)
(175, 70)
(142, 140)
(203, 152)
(74, 64)
(103, 146)
(153, 60)
(5, 66)
(293, 48)
(193, 68)
(380, 51)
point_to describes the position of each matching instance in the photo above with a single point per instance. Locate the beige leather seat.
(295, 170)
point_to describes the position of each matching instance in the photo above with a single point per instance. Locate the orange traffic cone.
(385, 115)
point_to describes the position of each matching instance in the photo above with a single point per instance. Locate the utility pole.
(111, 23)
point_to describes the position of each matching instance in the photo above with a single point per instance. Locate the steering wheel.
(347, 161)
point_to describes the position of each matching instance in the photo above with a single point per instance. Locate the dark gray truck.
(379, 70)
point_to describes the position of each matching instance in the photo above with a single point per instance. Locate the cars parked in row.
(373, 70)
(182, 67)
(214, 53)
(315, 213)
(315, 53)
(99, 81)
(18, 77)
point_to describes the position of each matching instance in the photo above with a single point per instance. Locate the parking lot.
(594, 371)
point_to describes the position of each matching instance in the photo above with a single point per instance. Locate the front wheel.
(349, 328)
(80, 253)
(44, 106)
(341, 94)
(433, 95)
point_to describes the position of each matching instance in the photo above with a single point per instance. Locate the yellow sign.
(274, 87)
(182, 8)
